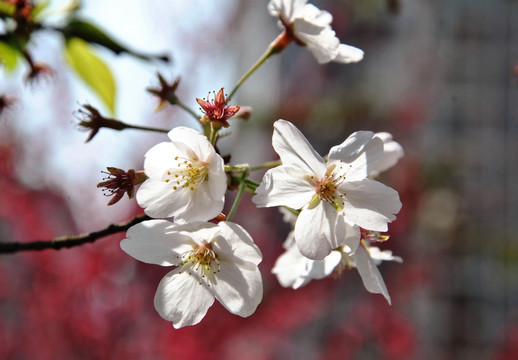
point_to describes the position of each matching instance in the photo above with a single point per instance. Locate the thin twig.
(69, 241)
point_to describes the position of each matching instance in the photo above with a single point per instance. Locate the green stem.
(186, 108)
(269, 52)
(246, 167)
(251, 185)
(235, 168)
(239, 194)
(275, 47)
(266, 165)
(213, 134)
(293, 211)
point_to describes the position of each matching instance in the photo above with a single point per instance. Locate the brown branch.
(69, 241)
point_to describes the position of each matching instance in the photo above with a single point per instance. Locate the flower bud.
(91, 119)
(166, 92)
(118, 182)
(244, 112)
(6, 102)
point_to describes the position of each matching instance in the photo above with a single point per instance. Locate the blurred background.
(441, 76)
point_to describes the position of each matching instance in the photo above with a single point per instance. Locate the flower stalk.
(239, 195)
(279, 44)
(91, 119)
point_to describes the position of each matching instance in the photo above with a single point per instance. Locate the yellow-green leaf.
(8, 56)
(92, 70)
(39, 7)
(7, 9)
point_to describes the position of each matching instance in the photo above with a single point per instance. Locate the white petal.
(347, 234)
(348, 54)
(180, 299)
(150, 242)
(370, 204)
(312, 14)
(239, 289)
(217, 178)
(369, 273)
(321, 41)
(158, 159)
(359, 154)
(237, 283)
(319, 269)
(290, 240)
(386, 255)
(160, 200)
(241, 244)
(200, 232)
(287, 9)
(286, 186)
(392, 152)
(291, 267)
(274, 7)
(295, 150)
(188, 138)
(288, 215)
(315, 231)
(201, 207)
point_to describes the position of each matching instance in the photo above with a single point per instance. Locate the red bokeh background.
(439, 75)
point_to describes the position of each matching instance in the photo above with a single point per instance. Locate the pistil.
(188, 174)
(201, 260)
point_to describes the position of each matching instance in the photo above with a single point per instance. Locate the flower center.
(188, 174)
(326, 188)
(202, 261)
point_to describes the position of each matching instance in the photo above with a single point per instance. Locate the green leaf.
(39, 7)
(92, 70)
(6, 9)
(8, 56)
(92, 34)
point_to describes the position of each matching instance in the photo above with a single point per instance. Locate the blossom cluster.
(336, 208)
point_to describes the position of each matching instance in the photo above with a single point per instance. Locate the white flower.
(186, 178)
(334, 195)
(392, 152)
(212, 261)
(311, 27)
(295, 270)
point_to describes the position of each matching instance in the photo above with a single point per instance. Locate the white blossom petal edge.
(311, 27)
(334, 196)
(186, 178)
(295, 270)
(213, 261)
(392, 152)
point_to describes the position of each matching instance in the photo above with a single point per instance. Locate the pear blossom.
(334, 195)
(186, 178)
(212, 261)
(392, 152)
(311, 27)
